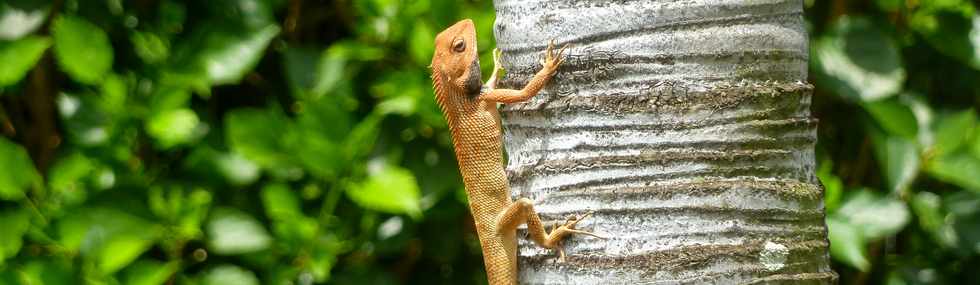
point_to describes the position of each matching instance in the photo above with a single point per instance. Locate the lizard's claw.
(551, 58)
(496, 57)
(560, 57)
(497, 63)
(573, 220)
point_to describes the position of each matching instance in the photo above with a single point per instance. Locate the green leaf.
(230, 274)
(899, 158)
(167, 99)
(47, 271)
(249, 14)
(319, 155)
(363, 136)
(68, 176)
(173, 127)
(420, 44)
(325, 252)
(236, 169)
(894, 117)
(330, 70)
(358, 51)
(9, 277)
(874, 215)
(390, 189)
(122, 250)
(313, 74)
(85, 119)
(149, 272)
(400, 92)
(895, 277)
(402, 105)
(322, 126)
(833, 186)
(258, 136)
(847, 243)
(857, 61)
(113, 91)
(109, 237)
(233, 232)
(227, 57)
(19, 57)
(280, 202)
(299, 64)
(183, 209)
(150, 47)
(282, 206)
(975, 145)
(17, 171)
(82, 49)
(963, 216)
(15, 223)
(951, 32)
(960, 169)
(21, 17)
(325, 116)
(953, 131)
(928, 208)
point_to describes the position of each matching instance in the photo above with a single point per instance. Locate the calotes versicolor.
(470, 108)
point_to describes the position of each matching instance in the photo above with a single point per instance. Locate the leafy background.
(297, 142)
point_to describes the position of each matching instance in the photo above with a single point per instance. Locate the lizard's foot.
(497, 65)
(497, 68)
(559, 233)
(570, 223)
(553, 59)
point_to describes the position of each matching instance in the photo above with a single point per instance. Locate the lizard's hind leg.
(522, 211)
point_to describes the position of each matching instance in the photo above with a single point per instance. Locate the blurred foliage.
(228, 142)
(899, 148)
(296, 142)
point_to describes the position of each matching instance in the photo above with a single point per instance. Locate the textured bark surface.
(684, 125)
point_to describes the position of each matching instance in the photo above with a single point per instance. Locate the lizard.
(470, 109)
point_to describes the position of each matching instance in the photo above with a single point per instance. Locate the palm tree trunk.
(684, 125)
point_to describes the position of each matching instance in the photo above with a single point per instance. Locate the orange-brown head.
(456, 60)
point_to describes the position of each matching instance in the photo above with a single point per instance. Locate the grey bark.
(684, 125)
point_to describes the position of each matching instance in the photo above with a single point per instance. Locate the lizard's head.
(456, 59)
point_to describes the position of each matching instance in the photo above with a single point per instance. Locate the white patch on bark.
(773, 256)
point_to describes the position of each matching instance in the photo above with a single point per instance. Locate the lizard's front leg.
(522, 211)
(552, 60)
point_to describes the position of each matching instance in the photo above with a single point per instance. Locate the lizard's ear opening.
(459, 45)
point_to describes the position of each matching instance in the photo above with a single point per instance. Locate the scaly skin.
(471, 112)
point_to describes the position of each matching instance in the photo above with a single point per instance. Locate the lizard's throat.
(473, 84)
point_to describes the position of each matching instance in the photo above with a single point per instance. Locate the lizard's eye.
(459, 45)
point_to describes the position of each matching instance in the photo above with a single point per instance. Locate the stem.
(330, 202)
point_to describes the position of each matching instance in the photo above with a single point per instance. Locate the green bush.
(275, 141)
(898, 146)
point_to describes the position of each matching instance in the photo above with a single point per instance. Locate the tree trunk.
(684, 125)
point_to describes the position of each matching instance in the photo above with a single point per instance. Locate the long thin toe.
(586, 233)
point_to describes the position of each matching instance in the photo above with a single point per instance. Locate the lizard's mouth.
(473, 83)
